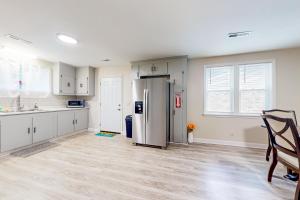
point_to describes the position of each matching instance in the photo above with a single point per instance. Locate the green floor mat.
(105, 134)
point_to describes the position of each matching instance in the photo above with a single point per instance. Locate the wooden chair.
(279, 113)
(285, 142)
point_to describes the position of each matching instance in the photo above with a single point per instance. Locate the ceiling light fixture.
(239, 34)
(66, 39)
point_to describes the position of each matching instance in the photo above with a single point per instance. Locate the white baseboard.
(93, 130)
(231, 143)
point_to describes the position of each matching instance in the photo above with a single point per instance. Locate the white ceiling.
(128, 30)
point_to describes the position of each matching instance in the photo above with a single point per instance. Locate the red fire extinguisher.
(178, 100)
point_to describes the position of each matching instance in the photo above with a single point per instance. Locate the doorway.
(111, 110)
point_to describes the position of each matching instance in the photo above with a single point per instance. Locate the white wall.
(94, 102)
(242, 130)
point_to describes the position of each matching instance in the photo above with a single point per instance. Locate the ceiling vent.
(239, 34)
(13, 37)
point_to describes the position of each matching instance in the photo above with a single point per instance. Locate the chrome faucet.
(19, 107)
(36, 107)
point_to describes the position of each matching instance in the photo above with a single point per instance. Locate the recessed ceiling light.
(239, 34)
(106, 60)
(66, 39)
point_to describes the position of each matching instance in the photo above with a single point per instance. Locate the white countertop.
(41, 110)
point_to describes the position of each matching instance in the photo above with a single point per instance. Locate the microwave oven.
(76, 103)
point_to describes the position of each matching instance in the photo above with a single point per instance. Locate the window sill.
(223, 115)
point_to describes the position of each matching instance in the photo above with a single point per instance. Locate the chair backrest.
(283, 134)
(282, 113)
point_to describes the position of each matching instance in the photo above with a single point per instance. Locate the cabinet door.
(82, 85)
(145, 69)
(81, 119)
(43, 125)
(68, 76)
(65, 122)
(160, 68)
(16, 131)
(135, 71)
(153, 69)
(67, 85)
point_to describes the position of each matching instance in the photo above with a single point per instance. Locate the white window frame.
(235, 100)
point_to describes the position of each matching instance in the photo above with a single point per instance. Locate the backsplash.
(50, 101)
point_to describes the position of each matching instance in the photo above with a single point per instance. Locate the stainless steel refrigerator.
(151, 104)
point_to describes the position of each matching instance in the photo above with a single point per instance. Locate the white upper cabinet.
(85, 81)
(64, 78)
(153, 69)
(70, 80)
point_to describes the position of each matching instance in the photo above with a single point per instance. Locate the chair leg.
(273, 165)
(297, 194)
(268, 152)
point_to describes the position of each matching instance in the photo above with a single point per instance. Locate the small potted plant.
(190, 131)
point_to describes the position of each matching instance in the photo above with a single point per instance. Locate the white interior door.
(111, 104)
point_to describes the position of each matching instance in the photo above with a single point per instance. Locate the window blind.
(254, 87)
(219, 89)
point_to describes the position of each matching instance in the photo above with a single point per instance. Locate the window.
(219, 89)
(241, 89)
(35, 80)
(21, 76)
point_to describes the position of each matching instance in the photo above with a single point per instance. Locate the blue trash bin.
(128, 121)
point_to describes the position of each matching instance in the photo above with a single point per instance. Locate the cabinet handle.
(28, 131)
(34, 130)
(73, 121)
(76, 121)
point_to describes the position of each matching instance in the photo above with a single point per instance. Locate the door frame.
(122, 97)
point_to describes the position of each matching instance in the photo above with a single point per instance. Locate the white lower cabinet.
(43, 126)
(71, 121)
(16, 131)
(66, 121)
(81, 119)
(26, 129)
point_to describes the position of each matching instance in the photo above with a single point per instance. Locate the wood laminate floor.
(88, 167)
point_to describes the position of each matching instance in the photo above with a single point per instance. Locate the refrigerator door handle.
(147, 106)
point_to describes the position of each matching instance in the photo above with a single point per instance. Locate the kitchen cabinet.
(81, 119)
(43, 126)
(64, 79)
(135, 71)
(153, 69)
(16, 131)
(25, 129)
(85, 81)
(71, 121)
(66, 121)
